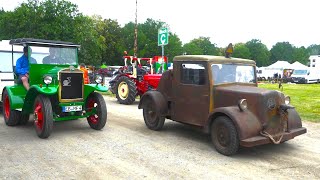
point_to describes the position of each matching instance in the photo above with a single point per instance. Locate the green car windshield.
(53, 55)
(232, 73)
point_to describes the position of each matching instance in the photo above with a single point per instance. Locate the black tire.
(11, 117)
(99, 119)
(43, 116)
(151, 119)
(224, 136)
(24, 119)
(126, 90)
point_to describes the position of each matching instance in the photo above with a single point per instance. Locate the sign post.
(163, 39)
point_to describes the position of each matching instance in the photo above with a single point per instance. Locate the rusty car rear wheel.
(151, 118)
(224, 136)
(43, 116)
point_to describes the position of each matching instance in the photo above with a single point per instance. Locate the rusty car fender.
(246, 123)
(158, 99)
(294, 120)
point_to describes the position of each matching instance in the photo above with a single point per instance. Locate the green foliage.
(201, 45)
(174, 48)
(259, 52)
(282, 51)
(241, 51)
(103, 40)
(308, 108)
(301, 54)
(314, 49)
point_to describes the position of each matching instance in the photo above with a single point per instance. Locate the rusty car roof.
(213, 59)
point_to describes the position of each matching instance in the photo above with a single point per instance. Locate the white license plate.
(71, 108)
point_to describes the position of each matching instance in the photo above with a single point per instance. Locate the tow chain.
(284, 119)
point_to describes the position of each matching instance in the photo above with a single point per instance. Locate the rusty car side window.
(193, 74)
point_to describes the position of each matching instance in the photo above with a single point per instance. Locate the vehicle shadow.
(197, 135)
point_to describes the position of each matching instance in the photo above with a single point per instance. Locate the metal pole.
(136, 32)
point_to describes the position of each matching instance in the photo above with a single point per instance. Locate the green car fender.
(33, 92)
(89, 88)
(16, 96)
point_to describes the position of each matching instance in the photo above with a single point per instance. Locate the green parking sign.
(163, 36)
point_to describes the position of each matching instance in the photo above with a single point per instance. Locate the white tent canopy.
(279, 65)
(297, 65)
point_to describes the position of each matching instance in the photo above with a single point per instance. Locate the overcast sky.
(224, 21)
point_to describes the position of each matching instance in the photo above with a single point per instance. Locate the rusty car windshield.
(232, 73)
(53, 55)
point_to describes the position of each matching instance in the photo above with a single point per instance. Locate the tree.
(241, 51)
(201, 45)
(314, 49)
(174, 47)
(259, 52)
(282, 51)
(301, 54)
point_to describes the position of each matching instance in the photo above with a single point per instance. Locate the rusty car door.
(191, 93)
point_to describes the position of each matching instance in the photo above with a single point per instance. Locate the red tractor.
(136, 77)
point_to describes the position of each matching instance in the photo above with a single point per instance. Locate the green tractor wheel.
(96, 103)
(43, 116)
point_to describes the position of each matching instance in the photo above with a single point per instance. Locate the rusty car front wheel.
(224, 136)
(151, 118)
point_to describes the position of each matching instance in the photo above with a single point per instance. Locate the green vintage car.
(57, 90)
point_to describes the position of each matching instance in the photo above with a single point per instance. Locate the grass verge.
(304, 97)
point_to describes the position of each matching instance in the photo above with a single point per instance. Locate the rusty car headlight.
(47, 80)
(98, 79)
(287, 100)
(243, 104)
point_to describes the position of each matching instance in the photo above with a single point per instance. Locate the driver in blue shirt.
(22, 68)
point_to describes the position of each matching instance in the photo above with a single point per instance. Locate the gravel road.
(126, 149)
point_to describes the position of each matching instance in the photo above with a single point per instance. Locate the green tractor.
(57, 91)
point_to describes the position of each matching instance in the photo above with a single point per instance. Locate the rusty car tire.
(224, 136)
(98, 120)
(152, 120)
(43, 116)
(11, 117)
(126, 90)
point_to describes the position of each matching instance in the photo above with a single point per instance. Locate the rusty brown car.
(220, 95)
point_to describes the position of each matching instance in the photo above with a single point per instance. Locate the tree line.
(104, 40)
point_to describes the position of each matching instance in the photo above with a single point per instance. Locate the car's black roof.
(31, 41)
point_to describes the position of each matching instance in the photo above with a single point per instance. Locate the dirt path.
(125, 148)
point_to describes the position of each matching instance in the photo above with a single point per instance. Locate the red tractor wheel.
(96, 104)
(126, 90)
(43, 116)
(11, 117)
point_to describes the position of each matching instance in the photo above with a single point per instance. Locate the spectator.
(85, 73)
(103, 66)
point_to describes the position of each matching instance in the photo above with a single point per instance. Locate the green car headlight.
(47, 80)
(98, 79)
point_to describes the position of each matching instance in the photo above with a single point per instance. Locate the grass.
(304, 97)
